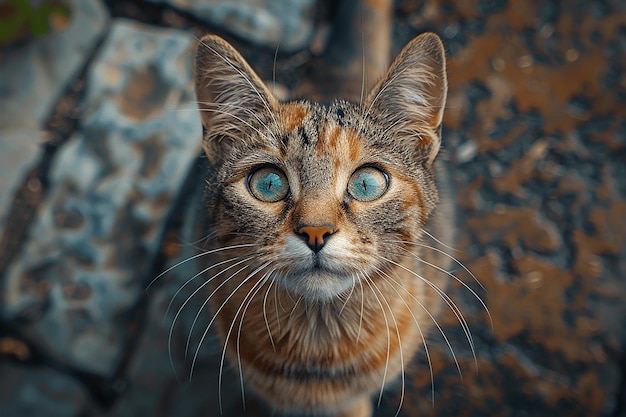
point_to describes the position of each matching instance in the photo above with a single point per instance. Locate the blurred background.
(99, 173)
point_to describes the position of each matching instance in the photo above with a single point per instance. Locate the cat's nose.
(315, 236)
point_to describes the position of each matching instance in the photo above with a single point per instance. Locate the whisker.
(455, 278)
(194, 243)
(276, 304)
(193, 324)
(348, 296)
(248, 277)
(383, 274)
(439, 241)
(274, 69)
(433, 320)
(240, 120)
(169, 339)
(399, 350)
(362, 58)
(368, 281)
(258, 285)
(267, 324)
(196, 257)
(206, 331)
(455, 260)
(293, 309)
(169, 306)
(453, 307)
(362, 307)
(246, 110)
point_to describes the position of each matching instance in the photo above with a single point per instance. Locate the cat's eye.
(367, 184)
(268, 184)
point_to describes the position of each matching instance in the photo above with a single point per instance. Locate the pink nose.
(315, 236)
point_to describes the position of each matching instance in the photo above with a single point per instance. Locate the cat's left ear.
(412, 95)
(229, 94)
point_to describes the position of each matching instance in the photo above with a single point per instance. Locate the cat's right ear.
(229, 94)
(412, 95)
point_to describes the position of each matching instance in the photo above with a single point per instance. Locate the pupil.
(271, 182)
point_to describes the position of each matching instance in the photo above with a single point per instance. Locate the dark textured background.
(535, 131)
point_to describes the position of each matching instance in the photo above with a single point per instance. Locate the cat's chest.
(279, 332)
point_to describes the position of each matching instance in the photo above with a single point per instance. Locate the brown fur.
(325, 337)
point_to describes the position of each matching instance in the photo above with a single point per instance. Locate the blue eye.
(268, 184)
(367, 184)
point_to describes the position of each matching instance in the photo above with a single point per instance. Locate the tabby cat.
(321, 286)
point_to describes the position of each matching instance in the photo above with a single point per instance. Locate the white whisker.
(267, 324)
(254, 291)
(369, 282)
(196, 257)
(361, 313)
(399, 349)
(455, 260)
(439, 241)
(240, 120)
(169, 338)
(206, 301)
(453, 307)
(419, 329)
(438, 268)
(348, 296)
(206, 331)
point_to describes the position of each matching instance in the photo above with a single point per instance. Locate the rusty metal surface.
(536, 131)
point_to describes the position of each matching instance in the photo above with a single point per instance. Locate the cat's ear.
(229, 94)
(412, 95)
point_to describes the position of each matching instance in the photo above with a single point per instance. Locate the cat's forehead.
(335, 131)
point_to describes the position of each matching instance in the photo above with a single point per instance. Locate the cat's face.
(321, 196)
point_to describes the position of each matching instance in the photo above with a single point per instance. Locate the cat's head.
(320, 197)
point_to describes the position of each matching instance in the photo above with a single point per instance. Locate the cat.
(320, 284)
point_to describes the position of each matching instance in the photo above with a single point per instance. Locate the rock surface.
(270, 23)
(33, 75)
(111, 188)
(41, 392)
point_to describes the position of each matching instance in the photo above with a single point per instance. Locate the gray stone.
(32, 77)
(40, 392)
(263, 22)
(111, 187)
(19, 149)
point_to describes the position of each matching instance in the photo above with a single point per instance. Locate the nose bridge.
(317, 209)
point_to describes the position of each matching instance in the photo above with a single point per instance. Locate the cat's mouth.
(318, 266)
(317, 276)
(317, 281)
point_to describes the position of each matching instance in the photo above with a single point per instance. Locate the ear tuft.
(412, 95)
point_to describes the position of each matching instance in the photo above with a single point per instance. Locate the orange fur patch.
(340, 142)
(328, 137)
(354, 145)
(291, 115)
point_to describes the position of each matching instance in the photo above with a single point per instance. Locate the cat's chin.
(317, 285)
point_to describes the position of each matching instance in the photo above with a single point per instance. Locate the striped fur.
(323, 333)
